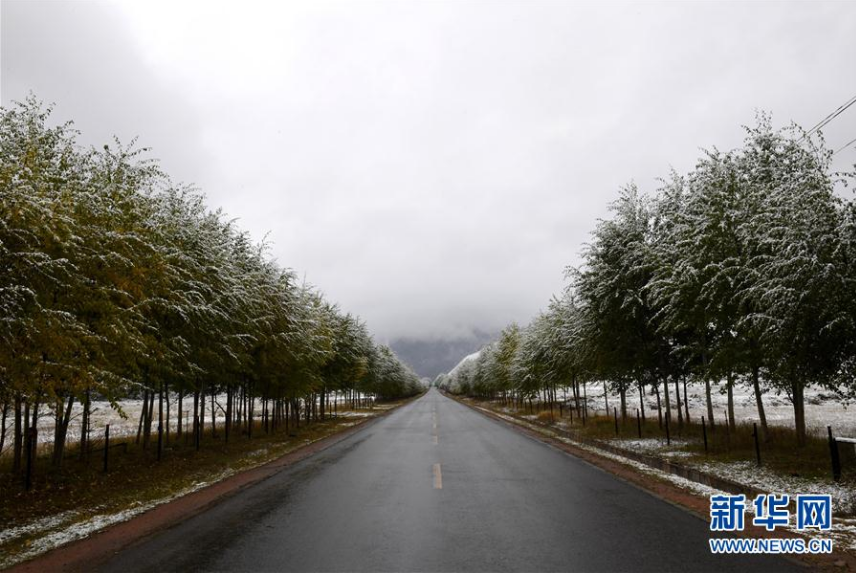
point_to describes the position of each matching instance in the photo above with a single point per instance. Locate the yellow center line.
(438, 476)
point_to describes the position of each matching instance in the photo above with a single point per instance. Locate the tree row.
(741, 271)
(116, 283)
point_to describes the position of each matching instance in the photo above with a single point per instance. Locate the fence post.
(704, 432)
(638, 424)
(615, 413)
(106, 445)
(757, 445)
(833, 451)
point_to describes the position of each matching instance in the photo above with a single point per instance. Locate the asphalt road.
(436, 486)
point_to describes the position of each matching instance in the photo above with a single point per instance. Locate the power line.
(845, 145)
(830, 117)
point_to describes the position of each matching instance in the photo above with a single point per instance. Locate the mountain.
(430, 357)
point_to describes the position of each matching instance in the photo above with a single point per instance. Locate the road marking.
(438, 476)
(436, 438)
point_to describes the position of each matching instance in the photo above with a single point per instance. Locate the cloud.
(431, 166)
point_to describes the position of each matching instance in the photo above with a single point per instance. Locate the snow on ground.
(356, 414)
(657, 446)
(43, 524)
(822, 406)
(66, 527)
(102, 414)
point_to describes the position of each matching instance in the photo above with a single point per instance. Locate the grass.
(779, 453)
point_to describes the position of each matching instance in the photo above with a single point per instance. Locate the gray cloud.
(431, 166)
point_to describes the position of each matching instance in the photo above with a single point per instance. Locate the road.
(436, 486)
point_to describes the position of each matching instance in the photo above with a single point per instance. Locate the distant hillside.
(430, 357)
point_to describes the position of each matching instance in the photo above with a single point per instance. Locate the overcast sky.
(431, 166)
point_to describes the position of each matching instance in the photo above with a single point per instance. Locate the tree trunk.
(142, 415)
(585, 402)
(576, 393)
(3, 426)
(150, 415)
(709, 403)
(678, 402)
(166, 430)
(160, 421)
(659, 405)
(180, 428)
(707, 379)
(84, 425)
(213, 413)
(623, 395)
(797, 394)
(201, 410)
(275, 418)
(194, 423)
(762, 416)
(606, 398)
(32, 443)
(239, 415)
(265, 415)
(62, 418)
(251, 407)
(641, 401)
(732, 424)
(228, 426)
(686, 401)
(18, 438)
(295, 412)
(666, 397)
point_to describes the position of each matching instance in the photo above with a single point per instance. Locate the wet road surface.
(435, 486)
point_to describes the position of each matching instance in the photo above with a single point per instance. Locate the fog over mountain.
(430, 357)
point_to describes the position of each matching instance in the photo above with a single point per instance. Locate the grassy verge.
(80, 491)
(779, 452)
